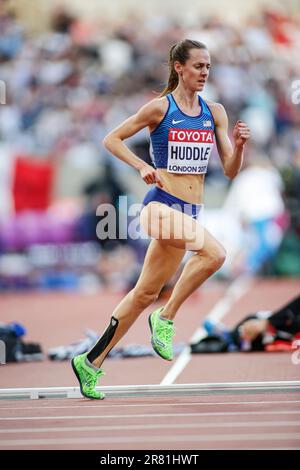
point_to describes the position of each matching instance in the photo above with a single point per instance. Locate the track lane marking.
(140, 405)
(138, 427)
(164, 438)
(151, 415)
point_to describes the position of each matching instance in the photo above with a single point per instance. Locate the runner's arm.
(149, 115)
(231, 156)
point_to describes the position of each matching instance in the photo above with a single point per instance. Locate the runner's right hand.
(150, 175)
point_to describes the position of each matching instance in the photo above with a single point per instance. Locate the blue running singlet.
(180, 143)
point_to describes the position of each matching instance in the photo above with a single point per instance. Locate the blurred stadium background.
(70, 71)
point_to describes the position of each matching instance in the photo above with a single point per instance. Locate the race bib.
(189, 150)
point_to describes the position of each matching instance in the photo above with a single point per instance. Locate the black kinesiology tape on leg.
(104, 341)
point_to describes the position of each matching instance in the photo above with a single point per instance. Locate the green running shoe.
(87, 377)
(162, 335)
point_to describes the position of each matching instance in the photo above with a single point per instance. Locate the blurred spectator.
(255, 200)
(264, 330)
(104, 189)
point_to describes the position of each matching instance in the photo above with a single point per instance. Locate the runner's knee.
(143, 297)
(217, 258)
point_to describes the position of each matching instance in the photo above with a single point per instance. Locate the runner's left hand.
(241, 133)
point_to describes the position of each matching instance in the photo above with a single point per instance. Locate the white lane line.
(234, 292)
(152, 405)
(164, 438)
(149, 415)
(140, 427)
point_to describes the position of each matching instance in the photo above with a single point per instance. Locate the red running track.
(207, 421)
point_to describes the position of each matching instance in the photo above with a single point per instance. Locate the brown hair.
(179, 52)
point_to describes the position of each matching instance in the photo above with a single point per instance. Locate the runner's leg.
(161, 262)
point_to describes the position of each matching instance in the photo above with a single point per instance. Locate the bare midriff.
(189, 188)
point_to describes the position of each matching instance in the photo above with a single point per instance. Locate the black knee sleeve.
(104, 341)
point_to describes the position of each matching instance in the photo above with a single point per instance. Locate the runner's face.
(195, 71)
